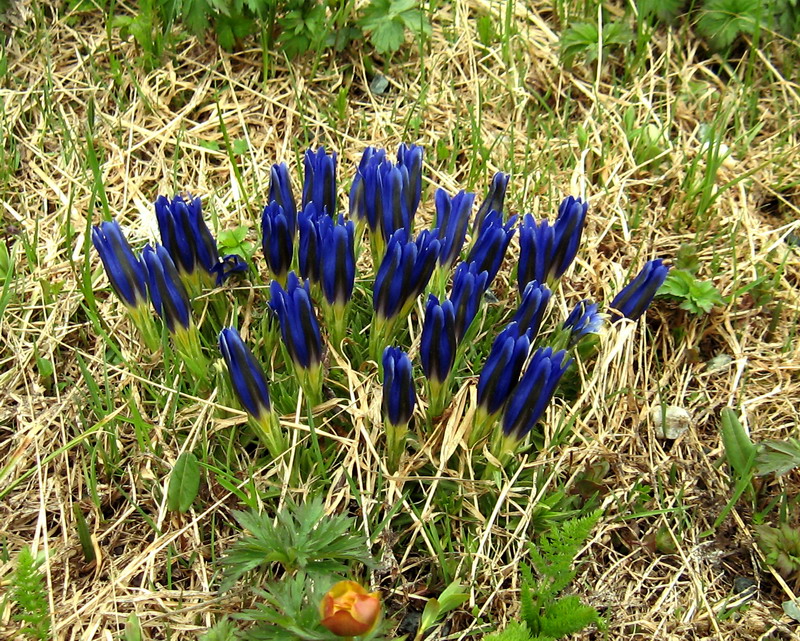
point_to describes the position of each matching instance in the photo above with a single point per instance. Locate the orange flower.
(348, 610)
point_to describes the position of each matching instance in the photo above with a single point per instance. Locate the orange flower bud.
(348, 610)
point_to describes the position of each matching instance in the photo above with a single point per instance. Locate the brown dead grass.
(153, 137)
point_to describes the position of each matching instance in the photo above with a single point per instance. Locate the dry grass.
(153, 132)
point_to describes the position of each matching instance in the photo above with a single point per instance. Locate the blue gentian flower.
(364, 197)
(319, 184)
(452, 219)
(227, 266)
(277, 240)
(399, 396)
(410, 157)
(393, 187)
(495, 199)
(280, 191)
(532, 308)
(438, 341)
(250, 385)
(545, 252)
(466, 294)
(299, 326)
(500, 373)
(187, 238)
(530, 397)
(125, 271)
(247, 377)
(637, 295)
(398, 402)
(490, 247)
(404, 272)
(169, 296)
(583, 320)
(309, 246)
(338, 262)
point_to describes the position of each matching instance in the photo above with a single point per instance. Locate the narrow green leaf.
(739, 449)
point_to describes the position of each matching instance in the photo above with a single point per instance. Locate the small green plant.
(29, 595)
(778, 457)
(695, 296)
(301, 538)
(582, 39)
(386, 21)
(234, 241)
(664, 9)
(648, 142)
(722, 21)
(313, 551)
(302, 27)
(546, 615)
(781, 547)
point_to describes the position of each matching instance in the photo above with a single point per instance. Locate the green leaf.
(779, 457)
(739, 449)
(184, 483)
(696, 296)
(567, 616)
(388, 36)
(133, 628)
(722, 21)
(240, 146)
(195, 15)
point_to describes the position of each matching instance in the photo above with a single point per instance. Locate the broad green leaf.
(184, 483)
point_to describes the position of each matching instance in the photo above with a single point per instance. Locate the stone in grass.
(670, 422)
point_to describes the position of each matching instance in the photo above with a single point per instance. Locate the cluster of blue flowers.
(311, 251)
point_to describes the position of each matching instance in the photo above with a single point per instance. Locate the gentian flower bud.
(438, 351)
(393, 188)
(128, 277)
(188, 240)
(300, 332)
(583, 320)
(319, 185)
(169, 296)
(495, 199)
(546, 252)
(452, 219)
(532, 308)
(410, 157)
(338, 272)
(310, 245)
(402, 276)
(466, 295)
(500, 374)
(338, 264)
(499, 377)
(404, 272)
(398, 387)
(250, 385)
(348, 610)
(280, 191)
(277, 240)
(490, 247)
(399, 398)
(364, 198)
(125, 271)
(171, 302)
(530, 397)
(637, 295)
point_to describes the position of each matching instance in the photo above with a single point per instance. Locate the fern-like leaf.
(29, 594)
(567, 616)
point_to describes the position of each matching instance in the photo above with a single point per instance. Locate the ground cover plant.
(144, 494)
